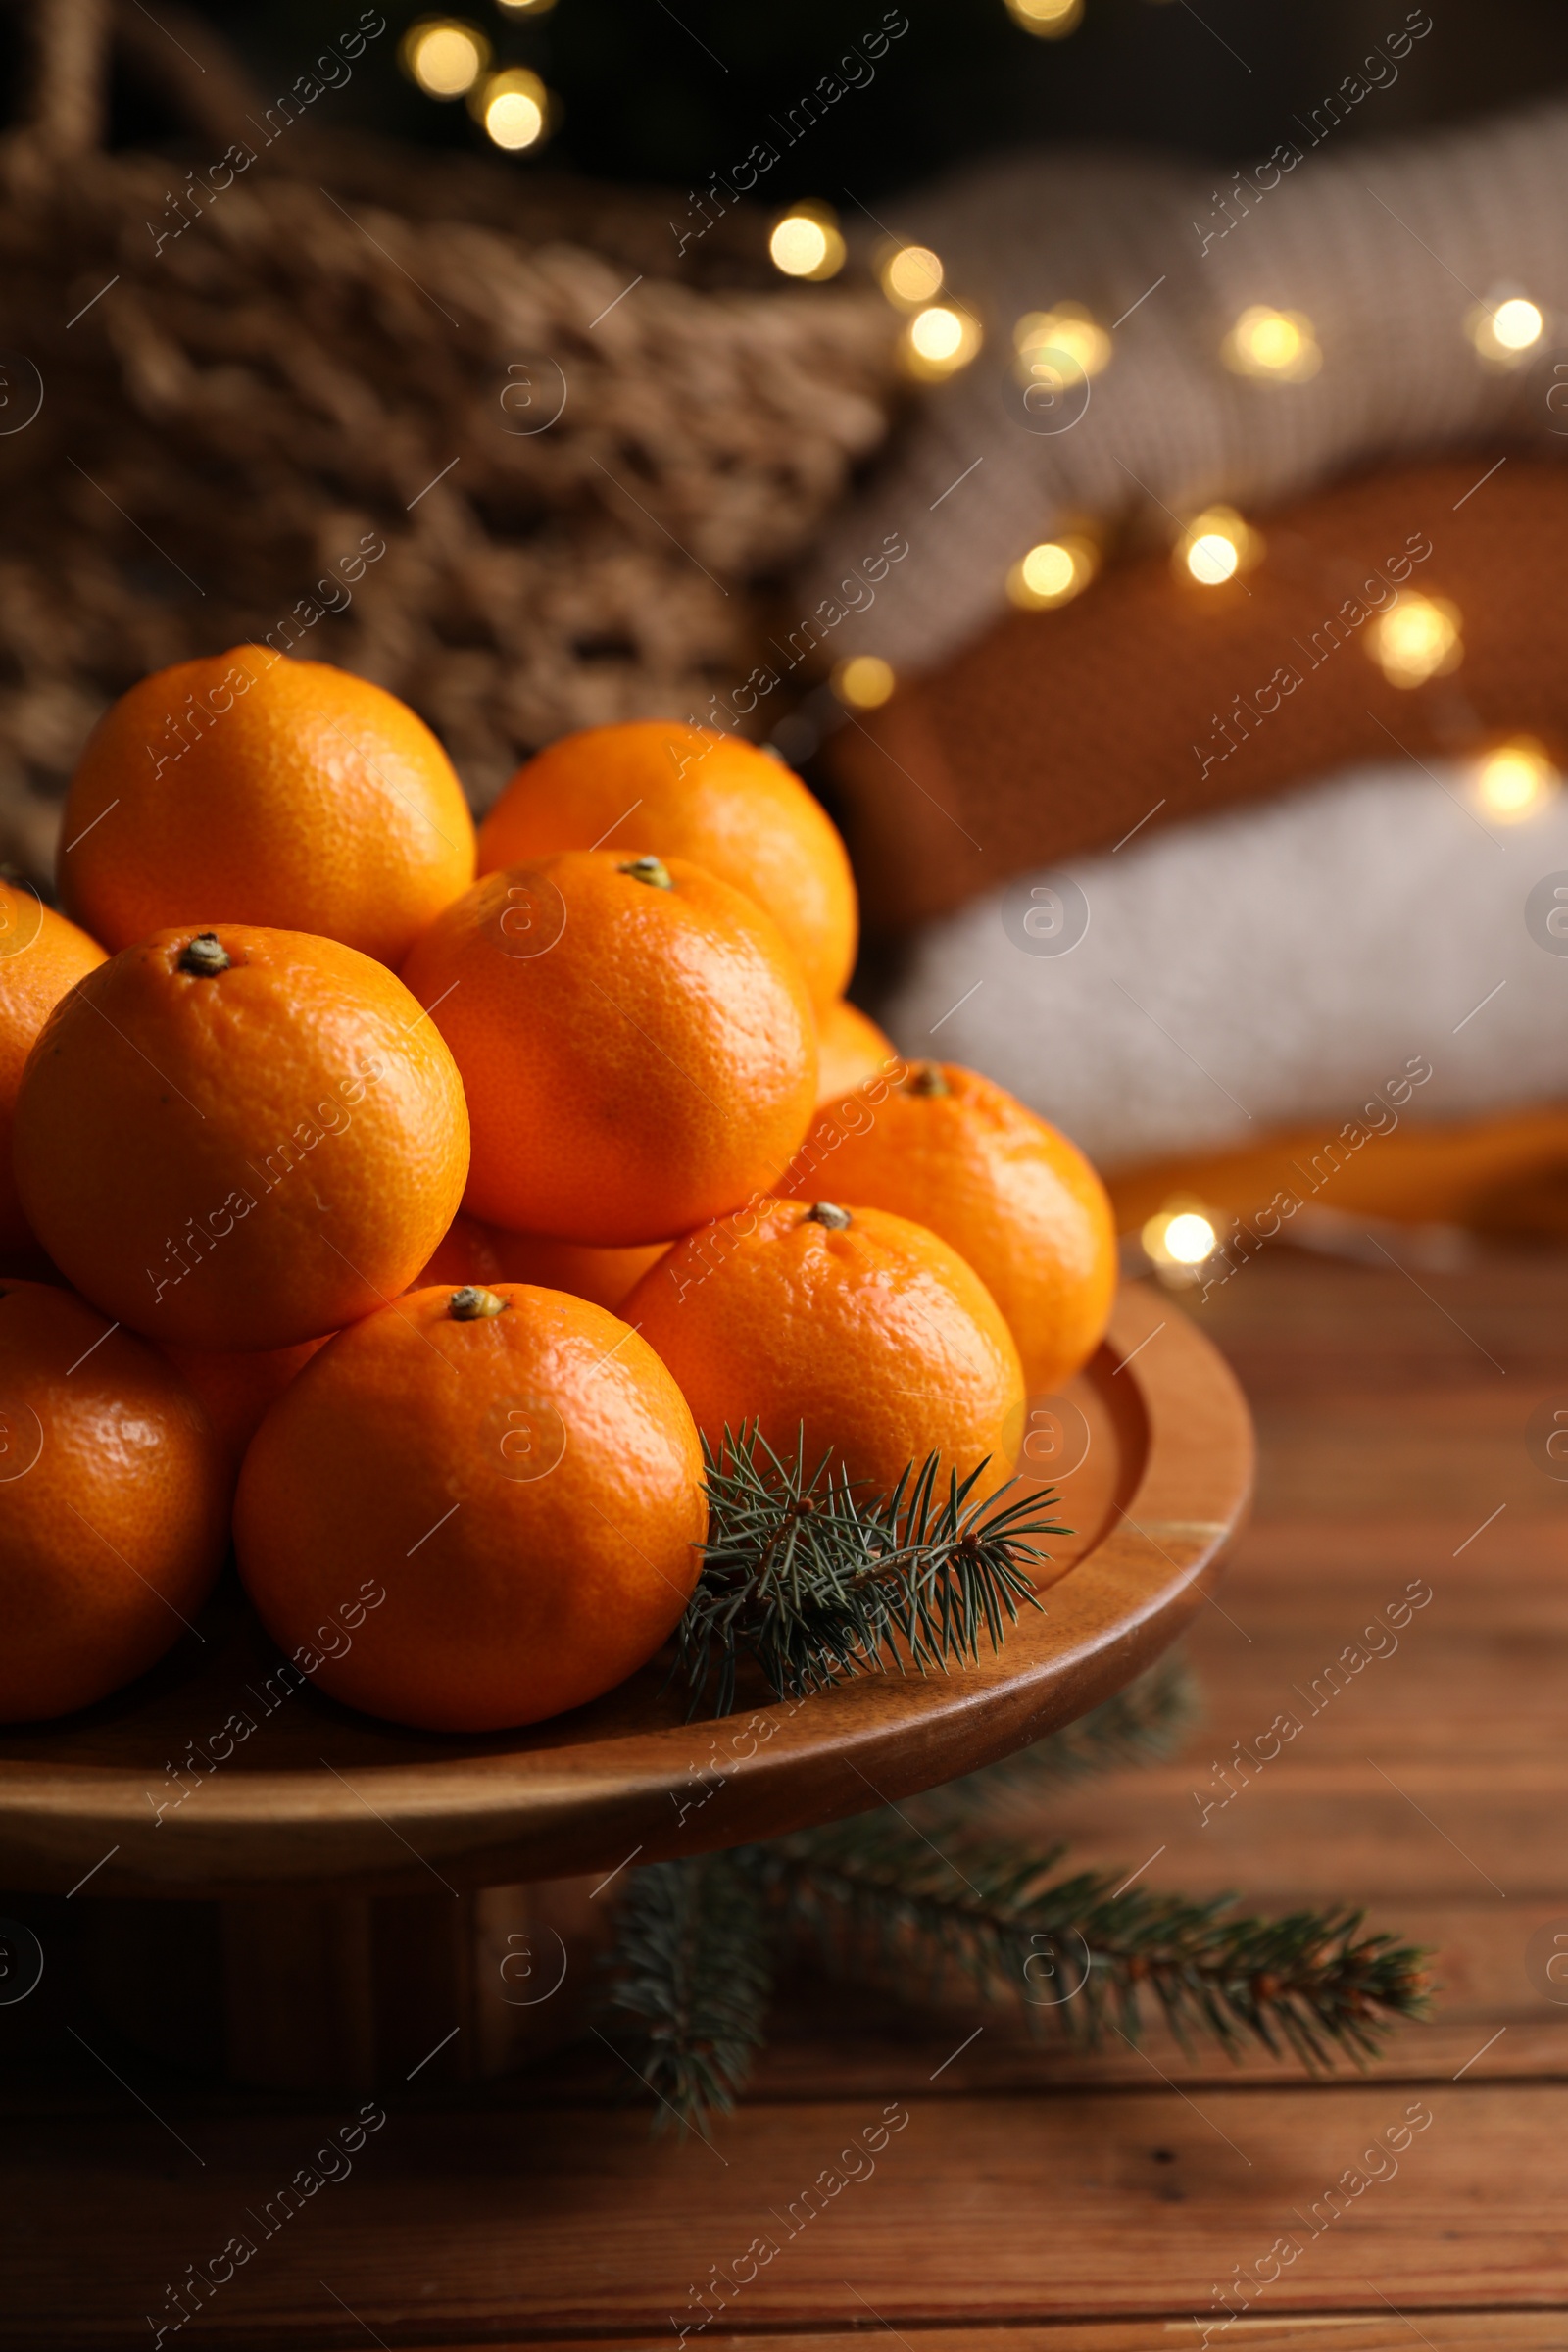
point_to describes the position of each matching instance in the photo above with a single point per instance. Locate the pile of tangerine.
(411, 1229)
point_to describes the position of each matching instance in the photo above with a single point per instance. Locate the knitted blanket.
(1150, 698)
(1368, 951)
(1386, 249)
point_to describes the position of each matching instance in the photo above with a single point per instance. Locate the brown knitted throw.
(309, 416)
(1150, 698)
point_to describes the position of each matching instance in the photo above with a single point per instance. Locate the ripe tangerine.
(850, 1048)
(237, 1390)
(248, 788)
(239, 1139)
(693, 793)
(520, 1472)
(113, 1495)
(635, 1041)
(41, 957)
(476, 1253)
(1010, 1194)
(862, 1326)
(608, 1277)
(465, 1253)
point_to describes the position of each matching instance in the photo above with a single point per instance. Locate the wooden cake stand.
(323, 1899)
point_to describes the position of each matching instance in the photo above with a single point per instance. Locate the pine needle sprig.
(814, 1582)
(1140, 1725)
(698, 1944)
(693, 1967)
(878, 1900)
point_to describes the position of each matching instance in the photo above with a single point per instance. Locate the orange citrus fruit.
(606, 1276)
(237, 1390)
(865, 1328)
(635, 1040)
(472, 1251)
(850, 1048)
(513, 1469)
(1009, 1192)
(239, 1139)
(41, 957)
(690, 792)
(246, 788)
(113, 1498)
(465, 1253)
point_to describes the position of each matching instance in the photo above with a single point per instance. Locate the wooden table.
(1026, 2204)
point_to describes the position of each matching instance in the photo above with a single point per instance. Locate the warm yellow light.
(864, 682)
(1190, 1238)
(797, 246)
(1213, 558)
(514, 108)
(1505, 331)
(937, 333)
(1278, 344)
(444, 57)
(1515, 779)
(1417, 638)
(939, 340)
(1216, 545)
(806, 243)
(1064, 343)
(1049, 571)
(525, 7)
(911, 275)
(1050, 20)
(1517, 324)
(1052, 574)
(1181, 1238)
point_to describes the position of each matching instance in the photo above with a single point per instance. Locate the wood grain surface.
(1016, 2202)
(321, 1800)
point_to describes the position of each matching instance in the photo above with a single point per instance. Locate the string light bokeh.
(1053, 573)
(807, 242)
(448, 58)
(938, 341)
(1048, 19)
(1280, 346)
(1065, 343)
(864, 682)
(514, 108)
(1418, 637)
(1215, 546)
(444, 55)
(1178, 1241)
(1515, 780)
(1507, 330)
(911, 275)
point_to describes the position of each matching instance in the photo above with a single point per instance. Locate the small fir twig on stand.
(814, 1582)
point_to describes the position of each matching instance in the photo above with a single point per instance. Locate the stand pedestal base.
(295, 1992)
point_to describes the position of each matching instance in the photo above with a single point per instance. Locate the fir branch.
(815, 1583)
(878, 1900)
(693, 1965)
(1140, 1725)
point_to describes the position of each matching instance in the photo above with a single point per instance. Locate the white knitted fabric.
(1267, 968)
(1385, 248)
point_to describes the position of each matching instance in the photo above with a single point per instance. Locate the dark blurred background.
(650, 92)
